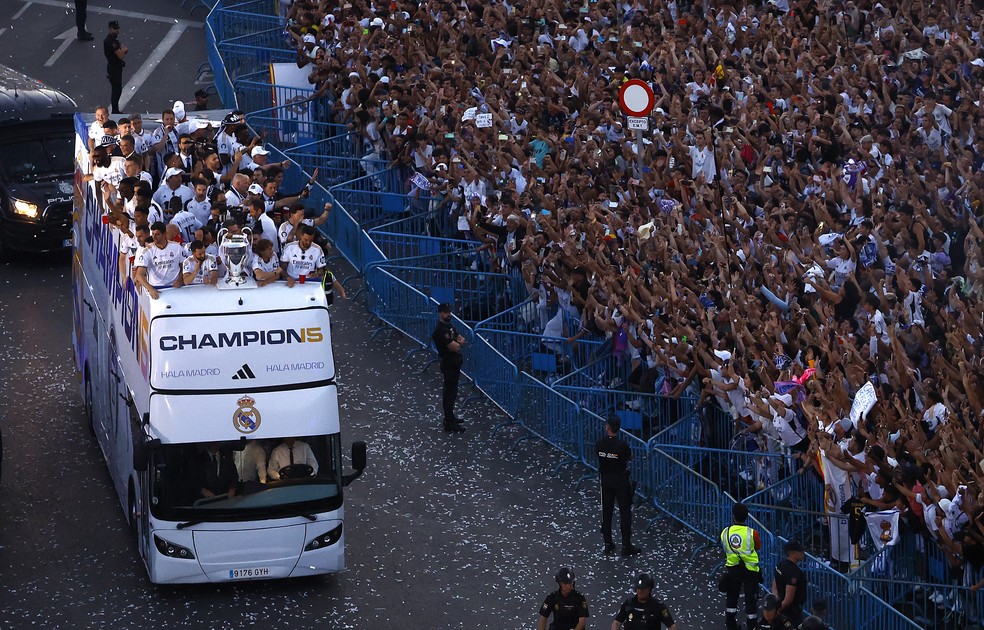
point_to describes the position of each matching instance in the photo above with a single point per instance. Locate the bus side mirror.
(141, 453)
(358, 462)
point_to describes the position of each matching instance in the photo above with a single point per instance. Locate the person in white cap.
(259, 156)
(173, 186)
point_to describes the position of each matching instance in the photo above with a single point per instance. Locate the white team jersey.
(163, 265)
(164, 195)
(208, 266)
(224, 143)
(269, 231)
(201, 209)
(96, 131)
(187, 223)
(300, 261)
(233, 198)
(142, 141)
(286, 228)
(112, 174)
(266, 266)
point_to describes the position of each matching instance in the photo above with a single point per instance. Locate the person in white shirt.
(295, 217)
(266, 264)
(252, 462)
(172, 188)
(187, 224)
(142, 140)
(303, 257)
(200, 267)
(200, 206)
(159, 265)
(702, 159)
(96, 128)
(239, 190)
(267, 227)
(133, 167)
(292, 452)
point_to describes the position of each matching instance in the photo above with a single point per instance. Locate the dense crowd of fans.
(808, 198)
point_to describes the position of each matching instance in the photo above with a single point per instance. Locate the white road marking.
(22, 9)
(153, 60)
(67, 38)
(114, 12)
(3, 30)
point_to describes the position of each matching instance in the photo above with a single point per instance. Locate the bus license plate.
(245, 574)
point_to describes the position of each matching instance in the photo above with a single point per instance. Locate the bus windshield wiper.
(189, 523)
(300, 512)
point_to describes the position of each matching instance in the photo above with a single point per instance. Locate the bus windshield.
(247, 479)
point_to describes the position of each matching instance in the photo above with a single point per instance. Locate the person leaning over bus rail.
(266, 266)
(292, 452)
(200, 267)
(303, 258)
(159, 265)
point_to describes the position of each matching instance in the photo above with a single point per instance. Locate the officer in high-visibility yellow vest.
(741, 568)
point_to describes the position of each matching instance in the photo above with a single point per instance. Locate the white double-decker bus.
(190, 396)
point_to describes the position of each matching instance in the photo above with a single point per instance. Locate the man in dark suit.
(217, 472)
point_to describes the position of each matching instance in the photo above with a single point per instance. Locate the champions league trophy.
(234, 250)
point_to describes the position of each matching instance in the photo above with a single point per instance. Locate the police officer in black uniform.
(769, 616)
(643, 611)
(568, 607)
(613, 467)
(114, 52)
(449, 343)
(789, 583)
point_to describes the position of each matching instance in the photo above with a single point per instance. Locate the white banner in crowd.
(837, 490)
(864, 400)
(883, 527)
(292, 93)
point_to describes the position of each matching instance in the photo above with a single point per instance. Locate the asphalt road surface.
(442, 531)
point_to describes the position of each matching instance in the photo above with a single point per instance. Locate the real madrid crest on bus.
(246, 419)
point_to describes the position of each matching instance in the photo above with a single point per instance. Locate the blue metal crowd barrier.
(223, 82)
(338, 170)
(546, 358)
(432, 220)
(396, 245)
(793, 507)
(551, 417)
(295, 123)
(377, 197)
(474, 294)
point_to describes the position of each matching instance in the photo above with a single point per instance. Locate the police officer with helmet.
(770, 618)
(568, 607)
(741, 568)
(643, 611)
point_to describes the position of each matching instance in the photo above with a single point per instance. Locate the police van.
(37, 143)
(191, 395)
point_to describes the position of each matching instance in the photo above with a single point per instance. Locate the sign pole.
(636, 99)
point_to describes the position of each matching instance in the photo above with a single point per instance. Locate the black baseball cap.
(443, 307)
(793, 546)
(770, 602)
(114, 24)
(565, 576)
(644, 581)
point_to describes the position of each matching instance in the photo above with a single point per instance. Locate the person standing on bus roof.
(159, 265)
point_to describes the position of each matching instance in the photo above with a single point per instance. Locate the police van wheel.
(89, 415)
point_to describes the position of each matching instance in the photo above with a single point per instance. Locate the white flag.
(883, 527)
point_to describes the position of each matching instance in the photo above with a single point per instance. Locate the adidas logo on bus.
(244, 373)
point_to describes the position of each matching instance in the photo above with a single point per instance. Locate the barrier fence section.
(372, 213)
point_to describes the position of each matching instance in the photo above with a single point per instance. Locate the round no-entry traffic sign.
(636, 98)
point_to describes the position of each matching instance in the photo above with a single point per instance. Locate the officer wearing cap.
(789, 582)
(769, 616)
(448, 343)
(813, 623)
(741, 567)
(643, 611)
(568, 607)
(614, 456)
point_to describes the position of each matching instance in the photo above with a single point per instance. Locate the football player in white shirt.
(303, 257)
(269, 228)
(173, 188)
(159, 266)
(266, 265)
(187, 224)
(133, 167)
(96, 128)
(107, 171)
(200, 206)
(200, 267)
(131, 245)
(142, 140)
(295, 216)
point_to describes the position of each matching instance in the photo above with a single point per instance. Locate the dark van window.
(26, 160)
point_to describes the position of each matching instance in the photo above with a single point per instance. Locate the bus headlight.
(26, 208)
(171, 550)
(327, 539)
